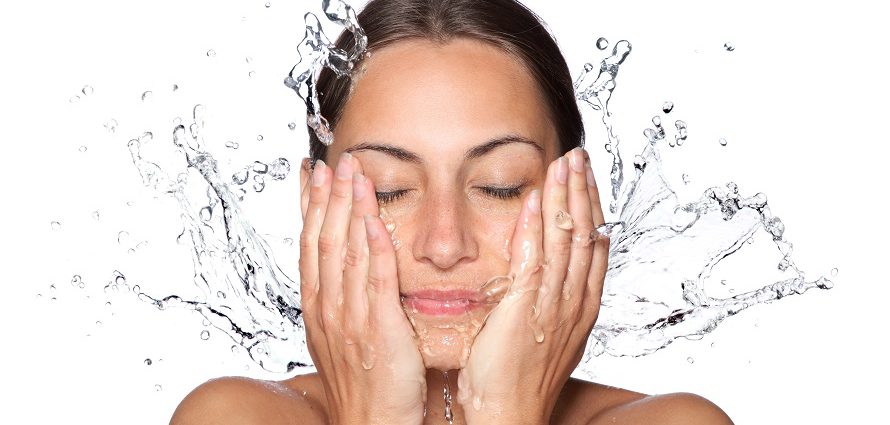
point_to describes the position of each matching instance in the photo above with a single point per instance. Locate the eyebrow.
(472, 153)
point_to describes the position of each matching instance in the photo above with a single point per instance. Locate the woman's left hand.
(535, 337)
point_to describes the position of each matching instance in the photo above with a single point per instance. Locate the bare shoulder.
(235, 400)
(594, 404)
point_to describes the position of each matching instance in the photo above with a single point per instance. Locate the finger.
(582, 243)
(526, 252)
(600, 261)
(558, 224)
(305, 180)
(355, 274)
(383, 281)
(332, 240)
(316, 207)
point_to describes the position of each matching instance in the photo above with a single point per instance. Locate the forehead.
(441, 99)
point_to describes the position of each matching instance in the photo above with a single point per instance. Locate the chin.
(444, 342)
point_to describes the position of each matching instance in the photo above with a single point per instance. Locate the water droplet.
(288, 241)
(602, 43)
(251, 74)
(221, 294)
(82, 148)
(259, 184)
(136, 288)
(259, 138)
(234, 349)
(76, 280)
(98, 323)
(95, 215)
(211, 53)
(158, 387)
(175, 87)
(146, 137)
(122, 237)
(722, 142)
(147, 362)
(477, 403)
(205, 335)
(686, 179)
(55, 225)
(563, 220)
(111, 125)
(268, 5)
(232, 144)
(834, 272)
(87, 90)
(728, 46)
(588, 67)
(292, 125)
(74, 99)
(279, 169)
(690, 360)
(146, 95)
(108, 304)
(667, 107)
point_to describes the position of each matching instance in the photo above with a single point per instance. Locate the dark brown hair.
(505, 24)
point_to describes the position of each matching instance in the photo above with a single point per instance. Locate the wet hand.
(535, 337)
(358, 335)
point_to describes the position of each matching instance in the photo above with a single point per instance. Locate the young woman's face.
(453, 136)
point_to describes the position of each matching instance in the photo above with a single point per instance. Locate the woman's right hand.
(358, 334)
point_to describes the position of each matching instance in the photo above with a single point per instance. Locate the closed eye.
(387, 197)
(503, 192)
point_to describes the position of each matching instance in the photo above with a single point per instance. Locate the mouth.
(442, 302)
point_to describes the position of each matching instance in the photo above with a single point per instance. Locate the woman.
(476, 269)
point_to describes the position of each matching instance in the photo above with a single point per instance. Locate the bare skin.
(459, 131)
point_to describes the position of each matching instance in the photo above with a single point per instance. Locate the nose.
(444, 235)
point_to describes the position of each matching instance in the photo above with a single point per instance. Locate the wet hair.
(504, 24)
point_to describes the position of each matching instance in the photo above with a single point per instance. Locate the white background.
(801, 100)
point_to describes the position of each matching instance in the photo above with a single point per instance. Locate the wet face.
(453, 136)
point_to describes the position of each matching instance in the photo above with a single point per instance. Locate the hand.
(358, 335)
(535, 337)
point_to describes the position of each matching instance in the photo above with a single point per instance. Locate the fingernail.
(576, 160)
(562, 170)
(358, 187)
(318, 173)
(534, 201)
(591, 181)
(344, 166)
(372, 231)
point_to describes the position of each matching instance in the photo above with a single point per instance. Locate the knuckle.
(329, 245)
(560, 247)
(354, 256)
(307, 241)
(376, 280)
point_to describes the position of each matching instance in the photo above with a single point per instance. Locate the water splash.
(651, 297)
(318, 52)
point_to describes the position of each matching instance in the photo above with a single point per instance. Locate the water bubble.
(119, 278)
(234, 349)
(74, 99)
(690, 360)
(55, 225)
(279, 169)
(111, 125)
(146, 95)
(259, 184)
(123, 236)
(98, 323)
(175, 87)
(251, 74)
(588, 67)
(147, 362)
(220, 294)
(259, 138)
(136, 289)
(290, 242)
(206, 213)
(205, 335)
(292, 125)
(232, 144)
(602, 43)
(146, 137)
(158, 387)
(95, 215)
(685, 178)
(667, 107)
(87, 90)
(211, 53)
(834, 272)
(240, 177)
(268, 5)
(722, 142)
(76, 280)
(82, 148)
(728, 46)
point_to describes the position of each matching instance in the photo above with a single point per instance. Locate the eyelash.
(495, 192)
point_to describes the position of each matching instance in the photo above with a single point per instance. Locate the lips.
(442, 302)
